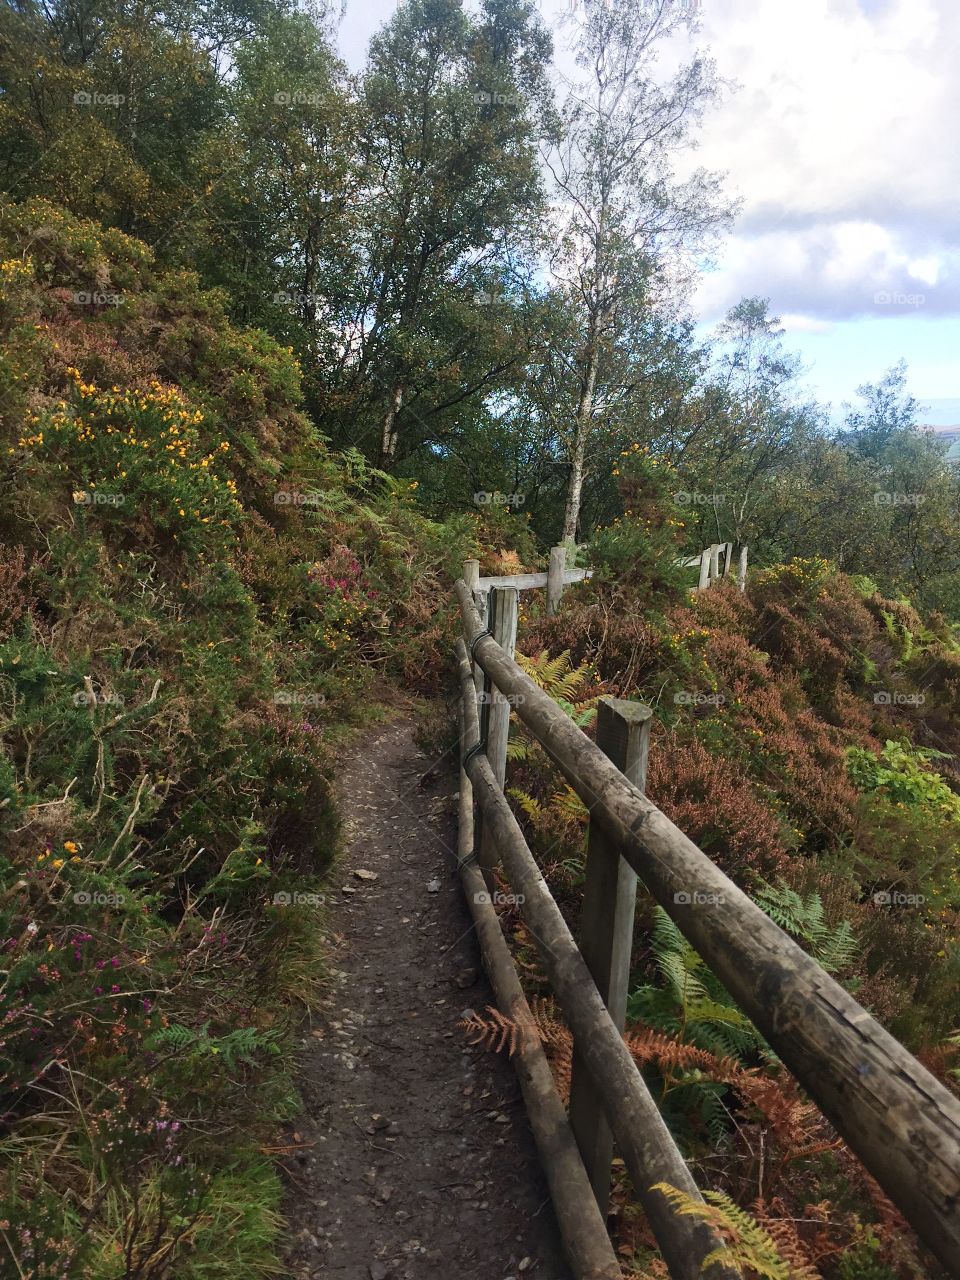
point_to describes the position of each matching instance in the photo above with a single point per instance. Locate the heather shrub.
(713, 804)
(605, 629)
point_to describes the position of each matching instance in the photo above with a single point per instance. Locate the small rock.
(378, 1271)
(525, 1264)
(433, 886)
(347, 890)
(362, 874)
(466, 978)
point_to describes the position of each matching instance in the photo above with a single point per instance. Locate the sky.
(838, 133)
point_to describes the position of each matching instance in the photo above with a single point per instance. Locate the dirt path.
(423, 1164)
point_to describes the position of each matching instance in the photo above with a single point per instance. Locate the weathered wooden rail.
(708, 562)
(900, 1121)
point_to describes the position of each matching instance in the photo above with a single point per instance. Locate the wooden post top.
(625, 709)
(623, 734)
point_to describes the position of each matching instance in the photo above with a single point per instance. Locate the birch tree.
(627, 225)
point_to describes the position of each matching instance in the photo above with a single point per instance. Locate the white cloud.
(831, 270)
(804, 324)
(840, 141)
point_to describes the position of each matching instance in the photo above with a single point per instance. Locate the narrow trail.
(422, 1163)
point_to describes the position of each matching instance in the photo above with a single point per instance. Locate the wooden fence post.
(742, 569)
(471, 576)
(558, 557)
(714, 563)
(502, 620)
(727, 558)
(606, 930)
(704, 569)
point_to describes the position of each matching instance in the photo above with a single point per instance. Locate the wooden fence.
(708, 562)
(901, 1122)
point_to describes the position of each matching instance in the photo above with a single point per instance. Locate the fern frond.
(838, 949)
(557, 676)
(711, 1011)
(570, 804)
(529, 804)
(747, 1246)
(669, 1053)
(804, 919)
(496, 1032)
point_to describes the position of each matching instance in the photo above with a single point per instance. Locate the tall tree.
(450, 106)
(749, 424)
(283, 216)
(104, 104)
(626, 224)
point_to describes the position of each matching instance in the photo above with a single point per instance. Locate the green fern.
(747, 1248)
(239, 1046)
(565, 801)
(521, 748)
(691, 1004)
(906, 652)
(530, 806)
(559, 677)
(570, 804)
(803, 918)
(561, 680)
(861, 1262)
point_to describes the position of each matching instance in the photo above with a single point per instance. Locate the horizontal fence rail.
(902, 1123)
(645, 1143)
(526, 581)
(582, 1225)
(554, 579)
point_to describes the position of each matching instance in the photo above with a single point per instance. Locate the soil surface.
(416, 1159)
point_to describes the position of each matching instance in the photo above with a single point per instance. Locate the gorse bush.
(116, 446)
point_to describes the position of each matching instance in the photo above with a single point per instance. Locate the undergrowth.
(198, 601)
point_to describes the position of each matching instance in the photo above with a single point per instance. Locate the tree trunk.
(571, 515)
(388, 439)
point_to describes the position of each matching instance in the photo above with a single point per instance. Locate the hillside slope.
(197, 601)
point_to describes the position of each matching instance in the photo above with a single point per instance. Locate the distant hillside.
(950, 436)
